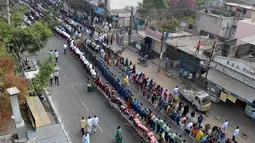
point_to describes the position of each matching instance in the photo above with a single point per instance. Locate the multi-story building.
(222, 22)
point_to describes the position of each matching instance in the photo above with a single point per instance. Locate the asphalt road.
(71, 101)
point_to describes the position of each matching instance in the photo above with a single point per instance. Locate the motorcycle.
(143, 62)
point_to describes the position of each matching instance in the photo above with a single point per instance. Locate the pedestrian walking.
(85, 138)
(51, 79)
(50, 53)
(118, 136)
(126, 80)
(176, 92)
(65, 47)
(166, 62)
(200, 119)
(225, 125)
(56, 54)
(112, 37)
(89, 124)
(198, 47)
(56, 74)
(235, 134)
(95, 123)
(83, 124)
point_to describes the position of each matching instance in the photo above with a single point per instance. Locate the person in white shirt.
(176, 91)
(225, 125)
(235, 134)
(51, 79)
(56, 74)
(65, 47)
(95, 123)
(188, 128)
(50, 53)
(56, 54)
(89, 124)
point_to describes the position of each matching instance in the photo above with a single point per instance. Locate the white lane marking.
(86, 107)
(110, 133)
(70, 85)
(65, 77)
(74, 89)
(100, 128)
(59, 119)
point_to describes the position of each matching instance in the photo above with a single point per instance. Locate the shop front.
(153, 41)
(231, 80)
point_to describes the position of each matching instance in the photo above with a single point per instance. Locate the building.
(122, 4)
(245, 28)
(232, 77)
(181, 51)
(222, 22)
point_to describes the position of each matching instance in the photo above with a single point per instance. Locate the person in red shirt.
(198, 47)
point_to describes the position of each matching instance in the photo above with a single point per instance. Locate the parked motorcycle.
(143, 62)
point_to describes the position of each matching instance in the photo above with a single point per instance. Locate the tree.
(30, 39)
(17, 14)
(41, 80)
(9, 79)
(164, 13)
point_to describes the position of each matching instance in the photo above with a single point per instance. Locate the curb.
(47, 94)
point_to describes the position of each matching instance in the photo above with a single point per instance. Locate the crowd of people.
(159, 97)
(171, 105)
(114, 100)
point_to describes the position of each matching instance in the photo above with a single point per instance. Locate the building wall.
(157, 47)
(214, 24)
(245, 28)
(121, 4)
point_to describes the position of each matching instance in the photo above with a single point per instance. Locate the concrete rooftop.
(188, 45)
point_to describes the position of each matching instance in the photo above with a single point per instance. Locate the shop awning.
(99, 10)
(235, 87)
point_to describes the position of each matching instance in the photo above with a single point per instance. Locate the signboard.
(154, 34)
(236, 65)
(250, 111)
(234, 74)
(124, 14)
(223, 96)
(232, 98)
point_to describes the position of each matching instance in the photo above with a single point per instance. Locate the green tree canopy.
(30, 38)
(164, 13)
(41, 80)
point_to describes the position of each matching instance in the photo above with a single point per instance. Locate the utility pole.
(130, 26)
(90, 18)
(210, 60)
(8, 12)
(106, 9)
(161, 46)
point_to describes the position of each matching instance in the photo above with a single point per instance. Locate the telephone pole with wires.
(8, 12)
(106, 9)
(130, 26)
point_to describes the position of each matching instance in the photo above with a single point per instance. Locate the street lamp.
(19, 122)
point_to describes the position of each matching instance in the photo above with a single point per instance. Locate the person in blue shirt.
(85, 138)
